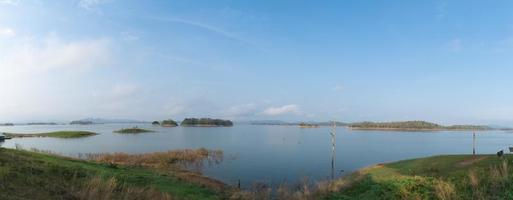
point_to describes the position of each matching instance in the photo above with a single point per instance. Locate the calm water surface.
(269, 154)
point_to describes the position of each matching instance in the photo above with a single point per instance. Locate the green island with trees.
(56, 134)
(308, 125)
(206, 122)
(169, 123)
(413, 125)
(133, 130)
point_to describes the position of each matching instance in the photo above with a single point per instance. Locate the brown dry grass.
(98, 189)
(178, 158)
(444, 190)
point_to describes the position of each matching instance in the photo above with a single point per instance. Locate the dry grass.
(259, 191)
(473, 178)
(444, 190)
(178, 158)
(179, 162)
(98, 189)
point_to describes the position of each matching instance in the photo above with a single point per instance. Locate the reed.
(188, 158)
(98, 189)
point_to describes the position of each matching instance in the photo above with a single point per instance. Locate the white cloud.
(338, 88)
(10, 2)
(39, 75)
(127, 36)
(441, 10)
(455, 45)
(237, 111)
(32, 56)
(283, 110)
(207, 27)
(91, 4)
(175, 108)
(7, 32)
(118, 99)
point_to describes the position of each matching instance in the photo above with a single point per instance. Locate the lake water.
(269, 154)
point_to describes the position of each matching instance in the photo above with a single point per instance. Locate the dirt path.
(471, 161)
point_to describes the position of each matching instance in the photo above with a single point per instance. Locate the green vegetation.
(469, 127)
(169, 123)
(57, 134)
(439, 177)
(26, 175)
(80, 122)
(413, 125)
(155, 123)
(41, 123)
(206, 122)
(307, 125)
(133, 130)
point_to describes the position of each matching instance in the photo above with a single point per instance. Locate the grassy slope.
(57, 134)
(439, 177)
(25, 175)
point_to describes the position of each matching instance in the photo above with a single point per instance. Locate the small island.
(6, 124)
(206, 122)
(133, 130)
(414, 125)
(308, 125)
(56, 134)
(169, 123)
(81, 122)
(155, 123)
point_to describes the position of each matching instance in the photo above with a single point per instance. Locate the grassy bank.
(439, 177)
(133, 130)
(57, 134)
(25, 175)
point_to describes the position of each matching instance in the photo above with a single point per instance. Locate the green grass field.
(56, 134)
(27, 175)
(439, 177)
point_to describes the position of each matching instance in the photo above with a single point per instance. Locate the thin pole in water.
(333, 142)
(474, 143)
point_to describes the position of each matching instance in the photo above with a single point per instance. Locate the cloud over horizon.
(290, 109)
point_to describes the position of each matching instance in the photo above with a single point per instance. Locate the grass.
(25, 175)
(177, 158)
(57, 134)
(438, 177)
(133, 130)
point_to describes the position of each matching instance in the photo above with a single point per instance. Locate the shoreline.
(414, 129)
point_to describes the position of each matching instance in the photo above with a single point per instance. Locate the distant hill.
(270, 122)
(108, 121)
(283, 123)
(413, 125)
(41, 123)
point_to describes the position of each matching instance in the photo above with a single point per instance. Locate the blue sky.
(442, 61)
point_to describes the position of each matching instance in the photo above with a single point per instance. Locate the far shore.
(413, 129)
(56, 134)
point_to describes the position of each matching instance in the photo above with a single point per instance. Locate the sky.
(449, 62)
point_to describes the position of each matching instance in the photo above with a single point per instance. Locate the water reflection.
(333, 134)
